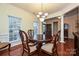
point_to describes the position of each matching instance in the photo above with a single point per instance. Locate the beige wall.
(7, 9)
(72, 24)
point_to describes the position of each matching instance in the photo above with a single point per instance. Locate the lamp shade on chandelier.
(42, 15)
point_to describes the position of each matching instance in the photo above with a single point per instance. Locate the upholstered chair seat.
(32, 49)
(47, 47)
(30, 43)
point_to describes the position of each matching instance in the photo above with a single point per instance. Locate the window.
(14, 27)
(35, 24)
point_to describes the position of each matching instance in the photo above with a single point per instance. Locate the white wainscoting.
(4, 37)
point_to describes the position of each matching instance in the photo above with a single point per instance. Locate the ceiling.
(36, 7)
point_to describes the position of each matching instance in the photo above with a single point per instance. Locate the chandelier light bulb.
(38, 16)
(42, 19)
(40, 13)
(59, 17)
(46, 14)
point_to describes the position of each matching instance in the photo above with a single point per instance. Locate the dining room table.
(40, 41)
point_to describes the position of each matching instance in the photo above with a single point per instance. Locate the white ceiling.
(36, 7)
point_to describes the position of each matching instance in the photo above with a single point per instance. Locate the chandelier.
(42, 15)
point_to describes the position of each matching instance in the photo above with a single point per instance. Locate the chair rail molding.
(4, 37)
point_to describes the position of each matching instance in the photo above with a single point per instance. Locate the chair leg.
(56, 53)
(38, 53)
(29, 54)
(22, 52)
(9, 49)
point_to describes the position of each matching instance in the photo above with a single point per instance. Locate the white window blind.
(14, 27)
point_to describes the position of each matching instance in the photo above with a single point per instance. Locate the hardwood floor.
(67, 48)
(64, 49)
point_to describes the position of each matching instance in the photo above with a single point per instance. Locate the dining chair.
(30, 34)
(29, 49)
(50, 48)
(76, 43)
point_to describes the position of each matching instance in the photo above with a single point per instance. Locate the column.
(62, 37)
(62, 29)
(52, 29)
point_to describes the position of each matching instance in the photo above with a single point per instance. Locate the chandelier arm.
(42, 15)
(41, 7)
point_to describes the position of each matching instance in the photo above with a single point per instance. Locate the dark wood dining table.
(39, 43)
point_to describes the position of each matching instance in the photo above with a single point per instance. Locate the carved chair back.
(24, 39)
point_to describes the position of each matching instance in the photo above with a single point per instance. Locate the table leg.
(39, 48)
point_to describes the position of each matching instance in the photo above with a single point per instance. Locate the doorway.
(55, 27)
(66, 30)
(48, 31)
